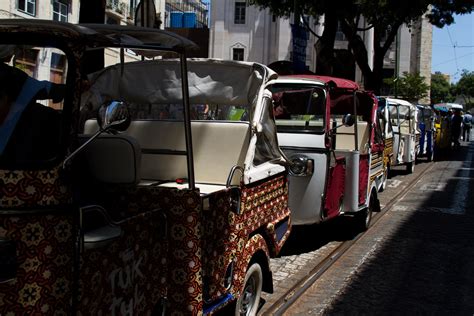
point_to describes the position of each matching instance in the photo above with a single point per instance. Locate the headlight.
(301, 166)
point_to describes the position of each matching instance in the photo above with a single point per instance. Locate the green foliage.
(411, 87)
(465, 85)
(440, 89)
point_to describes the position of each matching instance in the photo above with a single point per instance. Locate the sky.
(453, 47)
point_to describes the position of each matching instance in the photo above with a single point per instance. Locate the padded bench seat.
(218, 146)
(345, 137)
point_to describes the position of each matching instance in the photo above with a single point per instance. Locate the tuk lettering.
(121, 307)
(125, 276)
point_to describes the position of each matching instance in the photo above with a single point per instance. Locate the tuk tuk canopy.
(445, 107)
(404, 108)
(210, 81)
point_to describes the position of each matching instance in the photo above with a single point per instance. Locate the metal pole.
(356, 132)
(187, 121)
(144, 12)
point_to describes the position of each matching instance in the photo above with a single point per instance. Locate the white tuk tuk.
(403, 116)
(327, 127)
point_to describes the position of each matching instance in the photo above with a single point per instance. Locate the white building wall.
(44, 10)
(404, 49)
(263, 38)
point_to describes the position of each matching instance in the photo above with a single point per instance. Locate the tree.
(411, 87)
(465, 86)
(440, 89)
(384, 16)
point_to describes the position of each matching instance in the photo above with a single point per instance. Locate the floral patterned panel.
(263, 206)
(32, 188)
(177, 260)
(45, 248)
(127, 276)
(227, 234)
(221, 243)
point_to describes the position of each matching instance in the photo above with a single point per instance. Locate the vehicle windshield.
(299, 108)
(32, 91)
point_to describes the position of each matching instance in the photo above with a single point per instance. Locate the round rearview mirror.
(114, 114)
(348, 120)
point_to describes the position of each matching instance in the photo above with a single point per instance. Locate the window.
(267, 145)
(299, 108)
(238, 54)
(59, 11)
(239, 14)
(28, 6)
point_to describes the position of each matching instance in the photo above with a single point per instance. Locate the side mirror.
(114, 115)
(348, 120)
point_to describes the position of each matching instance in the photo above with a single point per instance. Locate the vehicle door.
(300, 113)
(398, 143)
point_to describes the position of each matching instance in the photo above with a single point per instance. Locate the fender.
(254, 245)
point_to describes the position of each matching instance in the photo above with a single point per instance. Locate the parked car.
(138, 208)
(328, 129)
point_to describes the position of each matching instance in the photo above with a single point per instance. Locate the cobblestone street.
(415, 260)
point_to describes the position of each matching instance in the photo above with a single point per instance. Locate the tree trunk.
(325, 46)
(373, 78)
(359, 51)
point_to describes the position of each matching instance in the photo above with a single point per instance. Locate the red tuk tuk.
(329, 130)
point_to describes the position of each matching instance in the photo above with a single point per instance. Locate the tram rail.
(291, 296)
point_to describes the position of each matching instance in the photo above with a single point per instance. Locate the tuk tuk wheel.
(385, 179)
(430, 156)
(364, 217)
(248, 302)
(410, 167)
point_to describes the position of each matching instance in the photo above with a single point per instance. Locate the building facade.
(56, 10)
(242, 32)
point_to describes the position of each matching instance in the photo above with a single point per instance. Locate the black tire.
(247, 304)
(411, 167)
(385, 179)
(430, 156)
(364, 218)
(389, 170)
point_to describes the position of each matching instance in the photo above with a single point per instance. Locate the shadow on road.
(308, 238)
(425, 268)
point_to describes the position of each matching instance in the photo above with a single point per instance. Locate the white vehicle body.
(328, 181)
(403, 116)
(387, 134)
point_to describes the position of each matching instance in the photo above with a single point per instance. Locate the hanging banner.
(300, 39)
